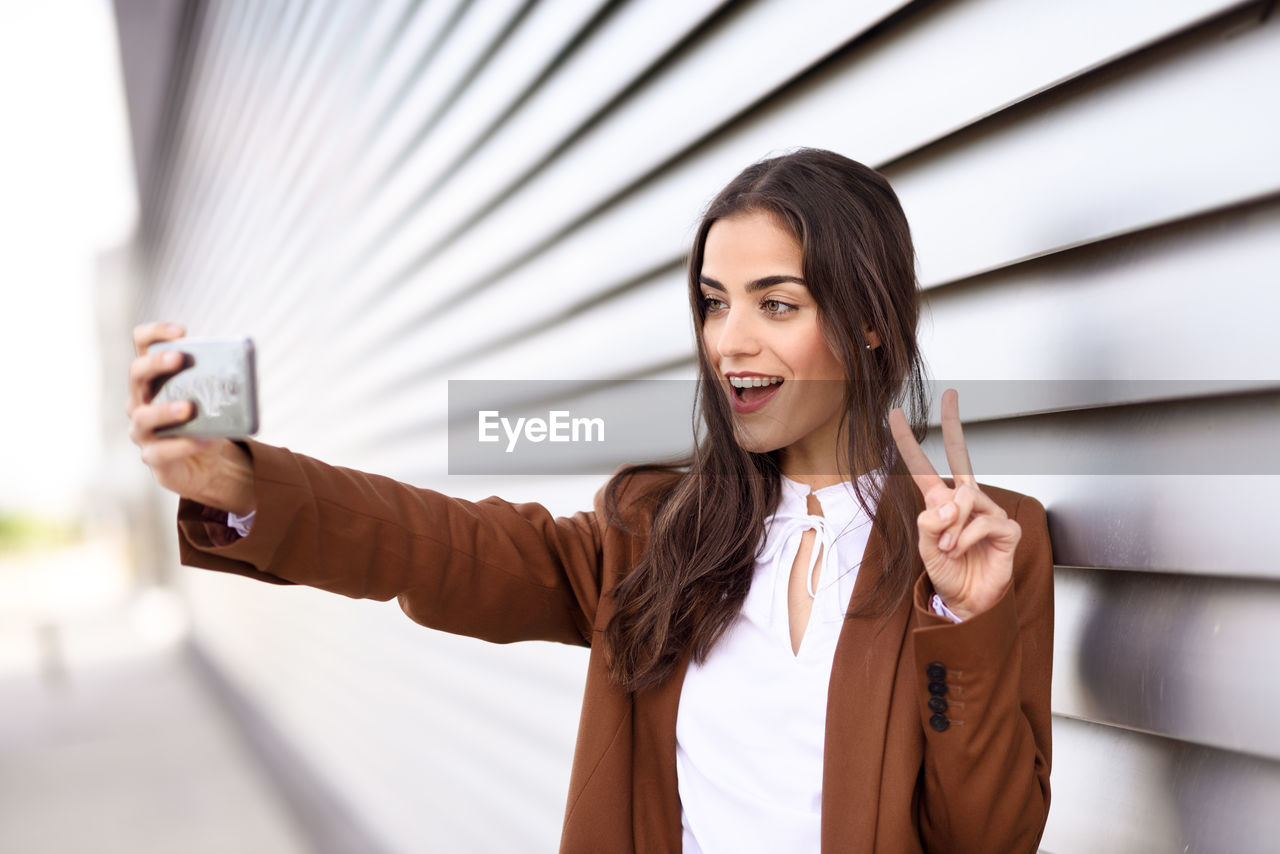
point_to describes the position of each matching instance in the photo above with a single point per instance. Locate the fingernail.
(947, 511)
(944, 542)
(179, 408)
(172, 357)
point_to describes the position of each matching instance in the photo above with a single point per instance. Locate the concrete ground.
(109, 739)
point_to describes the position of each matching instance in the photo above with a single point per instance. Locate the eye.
(711, 304)
(777, 307)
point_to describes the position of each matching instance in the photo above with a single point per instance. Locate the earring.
(868, 346)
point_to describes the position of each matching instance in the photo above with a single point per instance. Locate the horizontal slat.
(1105, 157)
(1120, 792)
(1229, 435)
(1193, 524)
(1167, 519)
(1165, 304)
(1169, 654)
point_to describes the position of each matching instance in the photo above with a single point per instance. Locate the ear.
(873, 340)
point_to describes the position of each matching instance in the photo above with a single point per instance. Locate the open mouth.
(750, 393)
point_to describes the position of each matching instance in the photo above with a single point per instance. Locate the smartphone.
(218, 376)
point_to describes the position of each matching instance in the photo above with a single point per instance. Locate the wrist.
(967, 609)
(231, 487)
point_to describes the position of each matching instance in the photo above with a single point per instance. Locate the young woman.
(802, 639)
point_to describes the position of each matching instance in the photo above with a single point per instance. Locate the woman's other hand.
(966, 540)
(215, 472)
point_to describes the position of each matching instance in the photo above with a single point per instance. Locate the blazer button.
(937, 689)
(936, 671)
(939, 723)
(937, 704)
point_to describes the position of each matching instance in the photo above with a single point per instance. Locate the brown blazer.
(896, 777)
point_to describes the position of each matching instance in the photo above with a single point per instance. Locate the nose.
(736, 335)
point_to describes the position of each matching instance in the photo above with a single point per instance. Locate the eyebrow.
(757, 285)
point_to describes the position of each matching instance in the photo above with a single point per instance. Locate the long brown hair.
(859, 265)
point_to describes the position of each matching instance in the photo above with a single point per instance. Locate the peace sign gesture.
(966, 540)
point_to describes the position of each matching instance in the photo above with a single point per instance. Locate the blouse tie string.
(781, 531)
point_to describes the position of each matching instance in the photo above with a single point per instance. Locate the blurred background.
(391, 194)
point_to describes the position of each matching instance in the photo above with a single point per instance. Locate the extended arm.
(490, 569)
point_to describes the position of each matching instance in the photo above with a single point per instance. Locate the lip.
(746, 407)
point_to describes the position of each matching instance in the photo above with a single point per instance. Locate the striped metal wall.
(389, 195)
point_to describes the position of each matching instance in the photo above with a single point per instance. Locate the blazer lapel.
(858, 707)
(656, 794)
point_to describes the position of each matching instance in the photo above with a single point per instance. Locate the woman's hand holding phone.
(214, 472)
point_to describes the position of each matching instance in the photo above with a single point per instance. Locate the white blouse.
(752, 717)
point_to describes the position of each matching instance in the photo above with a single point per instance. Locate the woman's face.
(762, 330)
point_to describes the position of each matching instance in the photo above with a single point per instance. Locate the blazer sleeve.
(985, 784)
(490, 569)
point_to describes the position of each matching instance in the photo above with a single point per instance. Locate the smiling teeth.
(753, 382)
